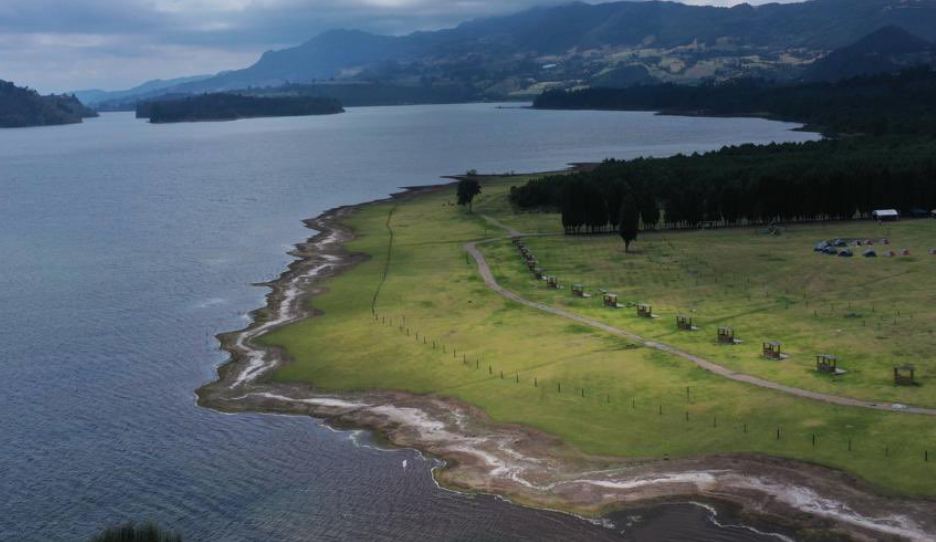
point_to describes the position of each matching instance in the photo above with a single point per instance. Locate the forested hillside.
(883, 156)
(23, 107)
(575, 44)
(903, 103)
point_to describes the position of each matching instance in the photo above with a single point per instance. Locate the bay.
(125, 247)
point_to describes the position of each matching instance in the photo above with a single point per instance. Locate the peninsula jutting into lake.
(23, 108)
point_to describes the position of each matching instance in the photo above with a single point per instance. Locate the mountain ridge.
(578, 43)
(887, 50)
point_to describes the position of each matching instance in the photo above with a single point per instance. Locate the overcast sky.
(59, 45)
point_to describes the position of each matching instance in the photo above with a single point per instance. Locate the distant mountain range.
(612, 44)
(22, 107)
(150, 88)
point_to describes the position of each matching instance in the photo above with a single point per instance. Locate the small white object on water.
(404, 463)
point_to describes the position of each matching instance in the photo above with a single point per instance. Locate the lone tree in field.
(629, 218)
(467, 190)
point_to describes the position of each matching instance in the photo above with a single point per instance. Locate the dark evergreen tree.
(630, 217)
(467, 190)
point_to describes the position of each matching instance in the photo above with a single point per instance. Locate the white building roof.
(886, 212)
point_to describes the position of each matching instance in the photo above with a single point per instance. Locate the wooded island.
(223, 106)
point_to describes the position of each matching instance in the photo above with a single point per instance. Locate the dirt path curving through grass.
(706, 364)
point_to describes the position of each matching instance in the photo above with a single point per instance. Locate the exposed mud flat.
(527, 466)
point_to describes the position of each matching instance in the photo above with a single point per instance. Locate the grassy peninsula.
(606, 395)
(223, 106)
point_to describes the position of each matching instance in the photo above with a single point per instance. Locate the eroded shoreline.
(524, 465)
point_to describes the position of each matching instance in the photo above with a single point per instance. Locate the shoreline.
(523, 465)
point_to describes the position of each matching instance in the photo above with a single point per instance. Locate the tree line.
(224, 106)
(21, 107)
(744, 185)
(877, 105)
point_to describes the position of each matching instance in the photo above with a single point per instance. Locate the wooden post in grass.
(558, 387)
(814, 441)
(661, 410)
(778, 433)
(849, 445)
(715, 421)
(687, 415)
(535, 382)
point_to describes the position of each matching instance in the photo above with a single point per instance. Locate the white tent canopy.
(884, 214)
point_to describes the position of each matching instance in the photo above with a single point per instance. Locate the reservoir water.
(125, 247)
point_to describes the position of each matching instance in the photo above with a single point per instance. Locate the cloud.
(58, 45)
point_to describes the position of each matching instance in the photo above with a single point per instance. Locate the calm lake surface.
(125, 247)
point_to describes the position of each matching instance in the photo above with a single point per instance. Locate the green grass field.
(872, 313)
(589, 388)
